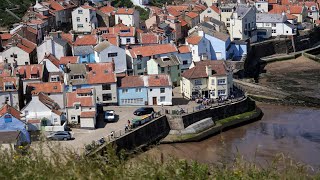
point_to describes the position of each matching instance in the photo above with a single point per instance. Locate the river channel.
(293, 131)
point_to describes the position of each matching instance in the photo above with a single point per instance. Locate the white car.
(109, 115)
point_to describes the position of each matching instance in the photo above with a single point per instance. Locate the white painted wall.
(120, 60)
(209, 13)
(22, 56)
(129, 19)
(262, 6)
(155, 92)
(15, 98)
(88, 19)
(49, 46)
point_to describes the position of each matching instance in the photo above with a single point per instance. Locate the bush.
(49, 161)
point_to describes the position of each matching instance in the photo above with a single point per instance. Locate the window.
(178, 67)
(212, 81)
(162, 90)
(80, 25)
(86, 19)
(267, 24)
(77, 106)
(221, 92)
(14, 55)
(112, 54)
(259, 5)
(107, 97)
(209, 11)
(213, 93)
(80, 12)
(162, 98)
(26, 113)
(162, 69)
(139, 66)
(128, 40)
(274, 25)
(73, 117)
(106, 87)
(138, 90)
(274, 31)
(197, 82)
(221, 81)
(310, 13)
(55, 78)
(150, 89)
(185, 62)
(124, 91)
(78, 19)
(287, 32)
(228, 19)
(34, 76)
(228, 24)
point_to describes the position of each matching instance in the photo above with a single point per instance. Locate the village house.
(127, 16)
(84, 48)
(81, 108)
(209, 79)
(19, 51)
(226, 11)
(54, 45)
(68, 60)
(139, 55)
(99, 76)
(271, 25)
(185, 57)
(145, 90)
(212, 12)
(54, 90)
(191, 18)
(10, 120)
(126, 34)
(200, 47)
(243, 23)
(10, 91)
(313, 10)
(106, 52)
(166, 65)
(43, 111)
(106, 16)
(84, 19)
(27, 32)
(300, 11)
(35, 73)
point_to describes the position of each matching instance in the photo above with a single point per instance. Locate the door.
(78, 119)
(154, 100)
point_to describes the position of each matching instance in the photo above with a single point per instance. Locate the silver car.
(60, 135)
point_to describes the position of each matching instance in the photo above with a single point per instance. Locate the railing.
(118, 133)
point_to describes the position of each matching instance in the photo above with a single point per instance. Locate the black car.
(60, 135)
(143, 111)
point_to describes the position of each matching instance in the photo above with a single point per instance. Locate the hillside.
(20, 7)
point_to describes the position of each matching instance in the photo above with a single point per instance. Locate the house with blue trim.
(10, 120)
(132, 91)
(84, 48)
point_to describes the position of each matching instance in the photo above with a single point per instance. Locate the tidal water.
(289, 130)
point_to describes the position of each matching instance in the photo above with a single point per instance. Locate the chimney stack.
(209, 70)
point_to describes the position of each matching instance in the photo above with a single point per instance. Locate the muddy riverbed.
(293, 131)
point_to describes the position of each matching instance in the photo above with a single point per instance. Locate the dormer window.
(77, 76)
(34, 76)
(124, 31)
(80, 11)
(9, 86)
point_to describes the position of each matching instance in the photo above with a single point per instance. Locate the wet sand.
(293, 131)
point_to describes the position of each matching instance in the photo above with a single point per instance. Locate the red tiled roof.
(88, 114)
(10, 110)
(290, 16)
(194, 40)
(295, 9)
(67, 37)
(112, 38)
(5, 36)
(278, 9)
(32, 30)
(88, 7)
(173, 12)
(26, 71)
(285, 2)
(178, 8)
(36, 21)
(148, 38)
(125, 11)
(46, 87)
(86, 40)
(192, 15)
(309, 4)
(107, 9)
(272, 1)
(53, 59)
(199, 70)
(215, 9)
(69, 59)
(157, 80)
(23, 43)
(8, 79)
(152, 50)
(56, 6)
(184, 49)
(183, 22)
(40, 16)
(101, 73)
(83, 91)
(132, 81)
(72, 97)
(121, 30)
(50, 103)
(34, 121)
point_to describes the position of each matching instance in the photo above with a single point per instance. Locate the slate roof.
(270, 18)
(102, 46)
(242, 10)
(60, 41)
(169, 61)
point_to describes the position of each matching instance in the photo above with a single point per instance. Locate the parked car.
(109, 116)
(60, 135)
(143, 111)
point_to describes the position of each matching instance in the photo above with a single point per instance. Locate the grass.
(52, 162)
(5, 18)
(237, 117)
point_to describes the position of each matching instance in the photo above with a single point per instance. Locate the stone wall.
(220, 112)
